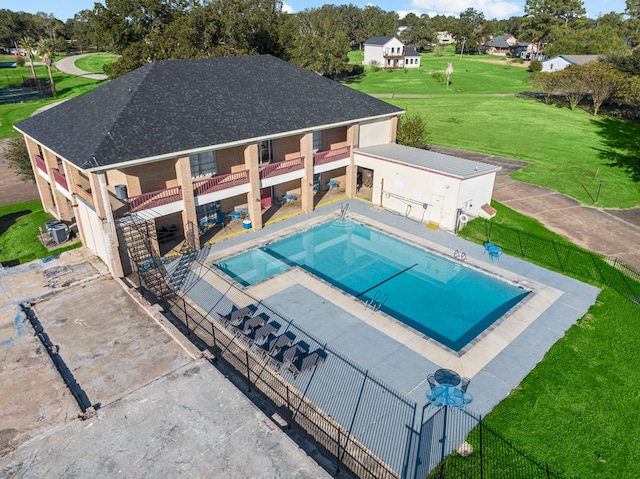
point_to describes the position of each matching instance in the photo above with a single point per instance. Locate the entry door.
(265, 197)
(437, 202)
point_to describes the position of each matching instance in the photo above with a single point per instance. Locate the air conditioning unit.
(59, 233)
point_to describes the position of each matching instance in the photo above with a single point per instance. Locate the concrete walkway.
(67, 65)
(609, 231)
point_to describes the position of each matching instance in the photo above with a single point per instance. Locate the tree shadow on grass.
(621, 144)
(9, 220)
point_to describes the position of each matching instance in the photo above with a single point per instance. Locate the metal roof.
(430, 160)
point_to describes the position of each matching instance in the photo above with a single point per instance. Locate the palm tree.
(46, 50)
(29, 45)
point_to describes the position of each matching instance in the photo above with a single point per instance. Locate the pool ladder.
(343, 209)
(376, 302)
(458, 255)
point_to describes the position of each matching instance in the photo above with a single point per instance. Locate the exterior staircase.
(138, 235)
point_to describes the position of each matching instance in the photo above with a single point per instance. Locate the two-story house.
(175, 141)
(389, 52)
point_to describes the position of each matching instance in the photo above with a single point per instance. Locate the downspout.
(104, 193)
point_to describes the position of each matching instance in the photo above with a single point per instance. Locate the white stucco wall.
(374, 133)
(409, 188)
(92, 229)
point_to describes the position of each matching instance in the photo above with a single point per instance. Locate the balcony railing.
(221, 182)
(60, 179)
(282, 167)
(155, 198)
(322, 157)
(395, 54)
(41, 164)
(84, 195)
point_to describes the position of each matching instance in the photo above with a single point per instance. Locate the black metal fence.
(457, 444)
(568, 258)
(354, 419)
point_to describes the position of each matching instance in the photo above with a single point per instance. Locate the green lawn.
(67, 86)
(19, 233)
(95, 62)
(474, 74)
(579, 409)
(563, 146)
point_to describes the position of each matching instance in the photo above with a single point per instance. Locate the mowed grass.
(95, 62)
(473, 74)
(563, 146)
(19, 232)
(579, 408)
(67, 86)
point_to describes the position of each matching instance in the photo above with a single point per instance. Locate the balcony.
(322, 157)
(221, 182)
(41, 164)
(393, 54)
(281, 167)
(60, 179)
(154, 199)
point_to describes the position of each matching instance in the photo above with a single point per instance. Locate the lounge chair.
(253, 323)
(259, 335)
(307, 362)
(290, 354)
(226, 318)
(241, 314)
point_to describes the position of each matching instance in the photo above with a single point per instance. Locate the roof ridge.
(115, 120)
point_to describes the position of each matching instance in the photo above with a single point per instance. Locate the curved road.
(67, 65)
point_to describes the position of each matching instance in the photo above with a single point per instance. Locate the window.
(265, 152)
(203, 164)
(317, 141)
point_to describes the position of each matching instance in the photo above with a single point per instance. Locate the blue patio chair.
(235, 215)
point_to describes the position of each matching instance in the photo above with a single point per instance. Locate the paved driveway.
(609, 231)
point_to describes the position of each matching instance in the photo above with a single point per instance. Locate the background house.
(561, 62)
(389, 52)
(509, 45)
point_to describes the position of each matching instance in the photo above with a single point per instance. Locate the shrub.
(439, 77)
(535, 66)
(20, 61)
(411, 131)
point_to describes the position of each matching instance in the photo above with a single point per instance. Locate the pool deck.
(396, 354)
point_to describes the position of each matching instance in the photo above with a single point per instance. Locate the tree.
(601, 80)
(548, 83)
(47, 50)
(468, 29)
(317, 41)
(545, 19)
(17, 157)
(629, 92)
(633, 12)
(419, 32)
(588, 41)
(411, 131)
(572, 84)
(29, 46)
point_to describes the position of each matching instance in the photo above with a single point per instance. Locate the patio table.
(447, 376)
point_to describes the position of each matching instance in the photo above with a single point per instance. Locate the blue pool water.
(442, 299)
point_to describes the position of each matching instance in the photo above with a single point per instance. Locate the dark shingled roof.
(378, 40)
(180, 105)
(410, 52)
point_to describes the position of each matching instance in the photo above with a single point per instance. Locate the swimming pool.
(443, 299)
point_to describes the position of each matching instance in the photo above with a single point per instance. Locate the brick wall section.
(189, 218)
(253, 197)
(62, 207)
(306, 184)
(44, 189)
(352, 169)
(334, 138)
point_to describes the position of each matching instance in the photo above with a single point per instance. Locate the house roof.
(378, 40)
(410, 52)
(576, 59)
(499, 42)
(179, 106)
(430, 160)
